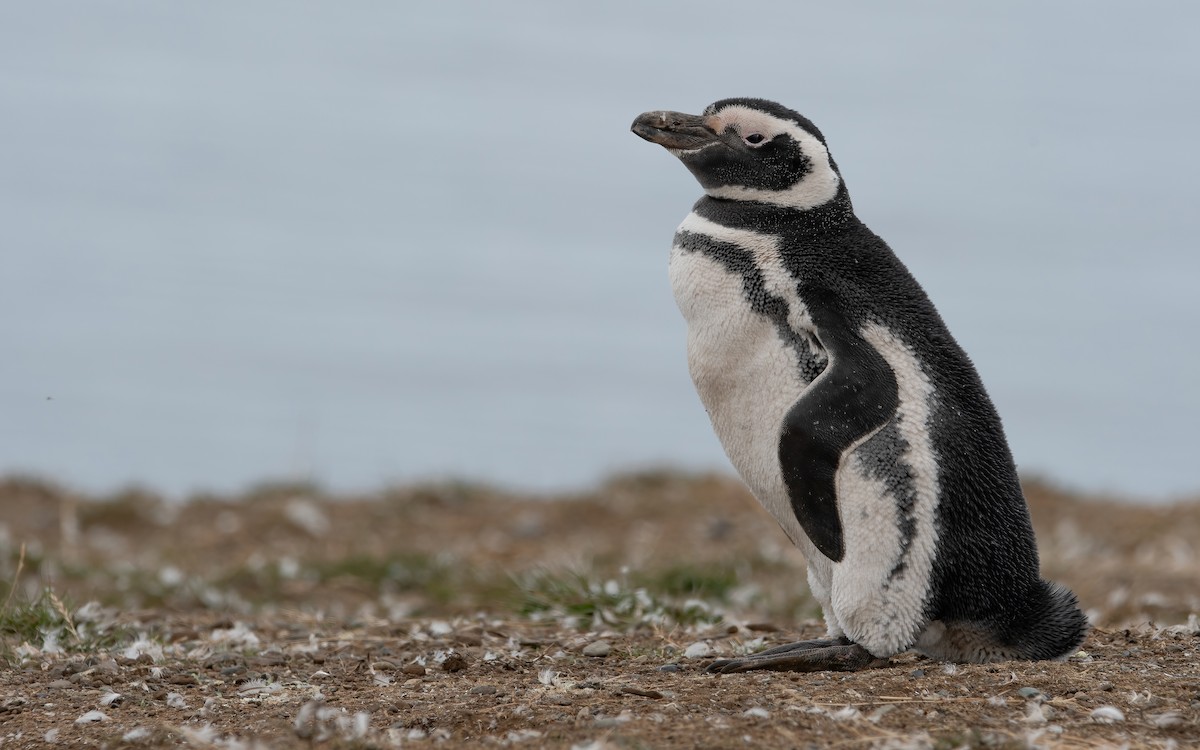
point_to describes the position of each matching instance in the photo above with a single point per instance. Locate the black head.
(749, 149)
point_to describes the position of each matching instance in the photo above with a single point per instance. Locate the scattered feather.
(50, 641)
(362, 724)
(205, 734)
(880, 712)
(1107, 715)
(143, 645)
(92, 612)
(91, 716)
(137, 734)
(170, 576)
(238, 635)
(1137, 698)
(849, 713)
(1034, 713)
(307, 515)
(1168, 720)
(258, 687)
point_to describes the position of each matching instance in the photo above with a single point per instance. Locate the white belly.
(746, 375)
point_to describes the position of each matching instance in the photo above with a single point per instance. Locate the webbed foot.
(833, 655)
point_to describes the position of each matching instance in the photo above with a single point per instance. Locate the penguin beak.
(674, 130)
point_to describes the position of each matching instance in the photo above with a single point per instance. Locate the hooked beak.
(674, 130)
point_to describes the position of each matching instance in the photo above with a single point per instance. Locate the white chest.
(746, 372)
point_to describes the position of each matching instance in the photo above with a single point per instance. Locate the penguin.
(849, 410)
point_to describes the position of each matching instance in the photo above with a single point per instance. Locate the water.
(395, 242)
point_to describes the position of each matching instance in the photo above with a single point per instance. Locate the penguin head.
(749, 150)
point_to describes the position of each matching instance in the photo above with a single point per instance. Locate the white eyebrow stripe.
(820, 185)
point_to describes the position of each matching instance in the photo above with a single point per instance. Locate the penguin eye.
(754, 139)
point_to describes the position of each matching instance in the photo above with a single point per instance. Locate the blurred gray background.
(375, 242)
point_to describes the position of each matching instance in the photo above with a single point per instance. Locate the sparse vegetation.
(48, 623)
(466, 616)
(586, 602)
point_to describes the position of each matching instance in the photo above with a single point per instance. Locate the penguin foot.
(836, 655)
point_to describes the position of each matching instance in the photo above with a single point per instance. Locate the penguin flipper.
(849, 401)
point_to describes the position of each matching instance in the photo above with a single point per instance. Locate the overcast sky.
(380, 242)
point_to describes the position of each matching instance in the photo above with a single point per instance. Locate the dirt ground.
(461, 616)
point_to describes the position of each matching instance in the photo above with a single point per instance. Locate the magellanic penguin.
(845, 404)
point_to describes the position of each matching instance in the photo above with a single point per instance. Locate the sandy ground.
(460, 616)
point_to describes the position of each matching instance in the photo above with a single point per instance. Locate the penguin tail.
(1051, 626)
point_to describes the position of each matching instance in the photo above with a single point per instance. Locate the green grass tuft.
(592, 603)
(48, 618)
(705, 582)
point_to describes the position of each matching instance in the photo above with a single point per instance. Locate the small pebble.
(763, 627)
(558, 699)
(468, 639)
(631, 690)
(669, 668)
(697, 650)
(917, 673)
(413, 669)
(483, 690)
(1029, 692)
(454, 663)
(597, 649)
